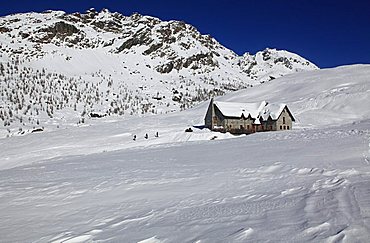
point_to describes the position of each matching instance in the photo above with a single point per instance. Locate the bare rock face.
(153, 48)
(140, 38)
(63, 29)
(59, 30)
(4, 29)
(193, 62)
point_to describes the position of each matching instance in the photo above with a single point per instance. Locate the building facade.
(239, 118)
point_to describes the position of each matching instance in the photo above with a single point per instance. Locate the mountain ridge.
(64, 67)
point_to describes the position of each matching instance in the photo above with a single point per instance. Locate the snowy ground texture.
(95, 184)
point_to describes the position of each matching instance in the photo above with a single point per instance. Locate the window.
(284, 127)
(270, 128)
(247, 127)
(287, 127)
(241, 127)
(283, 120)
(281, 127)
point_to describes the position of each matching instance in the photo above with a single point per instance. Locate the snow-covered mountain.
(58, 69)
(96, 184)
(269, 64)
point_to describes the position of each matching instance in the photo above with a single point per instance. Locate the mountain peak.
(272, 63)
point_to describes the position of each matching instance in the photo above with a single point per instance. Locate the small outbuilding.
(246, 118)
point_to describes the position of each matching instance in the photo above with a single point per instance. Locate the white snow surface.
(272, 110)
(235, 109)
(93, 183)
(262, 110)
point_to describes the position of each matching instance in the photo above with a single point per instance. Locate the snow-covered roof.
(262, 110)
(231, 109)
(272, 110)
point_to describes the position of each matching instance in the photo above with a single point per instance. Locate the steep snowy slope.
(94, 183)
(57, 68)
(318, 98)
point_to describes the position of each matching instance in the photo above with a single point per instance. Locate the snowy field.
(95, 184)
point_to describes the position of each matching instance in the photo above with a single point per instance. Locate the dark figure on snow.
(134, 138)
(156, 135)
(146, 136)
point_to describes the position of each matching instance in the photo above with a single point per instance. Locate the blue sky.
(329, 33)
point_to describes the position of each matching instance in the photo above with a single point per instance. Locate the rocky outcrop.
(141, 37)
(59, 30)
(193, 62)
(4, 29)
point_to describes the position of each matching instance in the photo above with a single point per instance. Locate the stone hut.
(239, 118)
